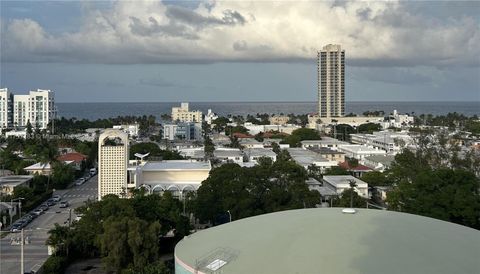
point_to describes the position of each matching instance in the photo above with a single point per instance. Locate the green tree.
(350, 198)
(62, 175)
(446, 194)
(376, 178)
(29, 129)
(369, 128)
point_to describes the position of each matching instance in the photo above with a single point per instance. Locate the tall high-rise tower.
(331, 81)
(112, 163)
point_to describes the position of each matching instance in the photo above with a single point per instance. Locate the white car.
(80, 182)
(56, 198)
(37, 211)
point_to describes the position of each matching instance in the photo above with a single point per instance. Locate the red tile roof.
(74, 156)
(242, 135)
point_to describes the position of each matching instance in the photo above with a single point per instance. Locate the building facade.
(183, 114)
(38, 107)
(112, 163)
(6, 109)
(331, 81)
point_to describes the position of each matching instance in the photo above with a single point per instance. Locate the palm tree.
(353, 184)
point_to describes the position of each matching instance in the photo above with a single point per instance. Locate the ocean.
(94, 111)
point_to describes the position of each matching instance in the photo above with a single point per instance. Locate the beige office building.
(183, 114)
(331, 81)
(112, 163)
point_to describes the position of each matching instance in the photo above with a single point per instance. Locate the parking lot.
(36, 232)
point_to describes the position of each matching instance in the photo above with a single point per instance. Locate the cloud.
(372, 33)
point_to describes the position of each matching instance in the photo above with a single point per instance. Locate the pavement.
(36, 251)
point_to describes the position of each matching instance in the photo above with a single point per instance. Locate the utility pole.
(21, 254)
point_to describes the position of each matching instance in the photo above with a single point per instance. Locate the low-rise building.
(327, 142)
(176, 176)
(16, 133)
(329, 154)
(229, 155)
(250, 143)
(253, 154)
(9, 183)
(379, 162)
(389, 141)
(342, 182)
(306, 158)
(76, 159)
(132, 129)
(359, 151)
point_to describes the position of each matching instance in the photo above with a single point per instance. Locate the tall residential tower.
(331, 81)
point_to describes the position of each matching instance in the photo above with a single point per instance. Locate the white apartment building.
(391, 142)
(331, 81)
(21, 111)
(398, 120)
(6, 111)
(112, 163)
(183, 114)
(38, 107)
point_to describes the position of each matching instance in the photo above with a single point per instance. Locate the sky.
(170, 51)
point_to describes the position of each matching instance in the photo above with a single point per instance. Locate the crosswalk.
(79, 196)
(87, 189)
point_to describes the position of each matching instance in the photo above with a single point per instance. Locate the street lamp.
(229, 215)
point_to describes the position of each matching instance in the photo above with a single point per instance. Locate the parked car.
(63, 204)
(44, 207)
(93, 171)
(15, 228)
(56, 198)
(37, 211)
(50, 202)
(80, 181)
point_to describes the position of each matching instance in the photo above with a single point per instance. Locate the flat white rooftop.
(336, 180)
(176, 165)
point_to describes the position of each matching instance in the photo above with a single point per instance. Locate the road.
(36, 252)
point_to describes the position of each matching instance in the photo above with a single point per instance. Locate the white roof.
(176, 165)
(15, 180)
(360, 149)
(306, 157)
(342, 180)
(38, 166)
(227, 153)
(255, 152)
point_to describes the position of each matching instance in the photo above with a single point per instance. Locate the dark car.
(50, 202)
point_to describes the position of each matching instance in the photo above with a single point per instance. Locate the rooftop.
(336, 180)
(15, 179)
(176, 165)
(323, 240)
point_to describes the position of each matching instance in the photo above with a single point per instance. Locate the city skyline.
(196, 51)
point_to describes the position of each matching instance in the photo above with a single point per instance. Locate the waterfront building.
(38, 107)
(112, 163)
(331, 81)
(279, 120)
(183, 114)
(6, 109)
